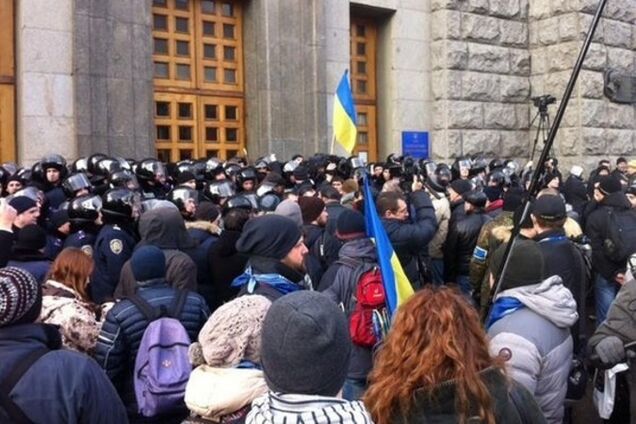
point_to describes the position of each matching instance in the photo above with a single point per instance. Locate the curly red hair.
(436, 337)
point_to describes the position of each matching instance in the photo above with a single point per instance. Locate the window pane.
(183, 72)
(163, 155)
(181, 4)
(185, 133)
(212, 153)
(162, 109)
(228, 31)
(228, 53)
(211, 134)
(209, 74)
(360, 49)
(209, 51)
(228, 9)
(211, 112)
(363, 138)
(181, 24)
(360, 30)
(362, 86)
(159, 3)
(185, 154)
(161, 70)
(362, 119)
(161, 46)
(185, 110)
(231, 135)
(231, 113)
(208, 28)
(183, 48)
(159, 22)
(163, 132)
(362, 68)
(207, 6)
(231, 153)
(229, 76)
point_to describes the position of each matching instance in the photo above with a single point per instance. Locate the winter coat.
(410, 238)
(79, 321)
(621, 320)
(313, 236)
(440, 406)
(62, 386)
(204, 232)
(35, 263)
(277, 408)
(537, 340)
(563, 259)
(344, 283)
(113, 247)
(461, 242)
(575, 193)
(124, 326)
(442, 215)
(6, 242)
(226, 263)
(223, 393)
(596, 228)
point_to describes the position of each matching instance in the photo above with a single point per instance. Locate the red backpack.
(369, 320)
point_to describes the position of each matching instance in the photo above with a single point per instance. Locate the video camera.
(542, 102)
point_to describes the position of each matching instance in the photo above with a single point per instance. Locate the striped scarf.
(277, 408)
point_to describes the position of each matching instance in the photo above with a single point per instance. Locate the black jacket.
(460, 243)
(410, 238)
(225, 265)
(575, 193)
(314, 264)
(6, 243)
(596, 228)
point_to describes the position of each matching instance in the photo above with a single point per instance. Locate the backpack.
(369, 321)
(620, 241)
(162, 368)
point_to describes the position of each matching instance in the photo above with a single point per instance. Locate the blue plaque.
(415, 144)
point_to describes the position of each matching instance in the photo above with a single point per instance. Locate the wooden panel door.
(7, 82)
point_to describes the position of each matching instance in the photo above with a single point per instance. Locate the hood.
(227, 243)
(206, 226)
(164, 228)
(617, 200)
(550, 299)
(276, 407)
(362, 249)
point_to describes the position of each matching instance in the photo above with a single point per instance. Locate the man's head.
(31, 238)
(526, 265)
(313, 211)
(148, 263)
(275, 237)
(474, 200)
(329, 194)
(392, 205)
(631, 167)
(350, 225)
(548, 212)
(305, 346)
(20, 297)
(607, 184)
(27, 211)
(621, 165)
(457, 188)
(187, 179)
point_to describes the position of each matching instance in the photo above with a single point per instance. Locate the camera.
(542, 102)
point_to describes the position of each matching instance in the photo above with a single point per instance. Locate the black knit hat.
(185, 176)
(350, 225)
(207, 211)
(310, 208)
(58, 218)
(476, 198)
(609, 184)
(526, 265)
(305, 346)
(270, 236)
(30, 238)
(549, 208)
(148, 263)
(461, 186)
(22, 204)
(301, 173)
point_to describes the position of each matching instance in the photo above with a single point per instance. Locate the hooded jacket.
(621, 320)
(575, 193)
(277, 408)
(225, 263)
(165, 229)
(536, 338)
(62, 386)
(344, 282)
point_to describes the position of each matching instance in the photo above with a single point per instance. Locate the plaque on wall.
(620, 88)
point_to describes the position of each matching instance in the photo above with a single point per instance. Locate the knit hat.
(525, 266)
(350, 225)
(20, 297)
(609, 184)
(476, 198)
(148, 263)
(274, 178)
(58, 218)
(549, 208)
(207, 211)
(310, 208)
(461, 186)
(290, 209)
(305, 345)
(232, 333)
(22, 204)
(301, 173)
(270, 236)
(185, 176)
(30, 238)
(512, 200)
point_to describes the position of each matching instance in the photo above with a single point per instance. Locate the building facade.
(182, 79)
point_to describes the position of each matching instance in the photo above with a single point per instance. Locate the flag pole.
(534, 182)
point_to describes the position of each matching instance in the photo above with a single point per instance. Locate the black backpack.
(620, 240)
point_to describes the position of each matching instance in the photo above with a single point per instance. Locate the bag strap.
(519, 404)
(146, 309)
(15, 412)
(177, 304)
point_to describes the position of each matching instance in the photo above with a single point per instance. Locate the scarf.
(276, 281)
(503, 306)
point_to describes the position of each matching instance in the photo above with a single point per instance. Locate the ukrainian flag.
(344, 115)
(396, 285)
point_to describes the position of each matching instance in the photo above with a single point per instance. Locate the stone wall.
(481, 65)
(593, 127)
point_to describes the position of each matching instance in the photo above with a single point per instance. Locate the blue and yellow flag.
(344, 115)
(396, 285)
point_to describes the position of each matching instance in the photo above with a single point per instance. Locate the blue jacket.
(35, 263)
(113, 247)
(121, 334)
(60, 387)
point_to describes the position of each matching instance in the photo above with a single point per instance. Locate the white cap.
(576, 170)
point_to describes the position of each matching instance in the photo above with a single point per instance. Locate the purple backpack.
(162, 368)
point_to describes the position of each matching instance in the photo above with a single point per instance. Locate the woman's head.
(436, 337)
(72, 267)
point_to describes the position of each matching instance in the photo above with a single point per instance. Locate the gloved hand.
(610, 350)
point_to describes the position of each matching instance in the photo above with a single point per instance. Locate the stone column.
(480, 83)
(113, 77)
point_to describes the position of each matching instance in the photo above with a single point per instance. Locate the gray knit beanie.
(291, 210)
(20, 297)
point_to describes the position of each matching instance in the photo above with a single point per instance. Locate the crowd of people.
(238, 291)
